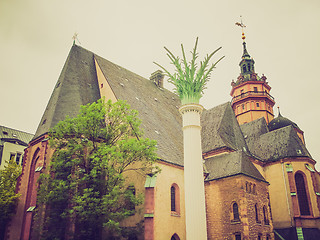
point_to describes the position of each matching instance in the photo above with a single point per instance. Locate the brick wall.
(246, 192)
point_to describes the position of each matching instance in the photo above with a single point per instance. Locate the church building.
(260, 180)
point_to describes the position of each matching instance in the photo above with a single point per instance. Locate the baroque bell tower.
(251, 97)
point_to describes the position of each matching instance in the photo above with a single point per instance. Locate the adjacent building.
(12, 145)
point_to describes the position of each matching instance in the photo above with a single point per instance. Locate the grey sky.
(283, 37)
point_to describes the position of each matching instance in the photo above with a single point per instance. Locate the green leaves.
(189, 81)
(86, 185)
(8, 196)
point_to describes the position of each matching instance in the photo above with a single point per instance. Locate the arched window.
(265, 216)
(257, 213)
(130, 196)
(174, 198)
(175, 237)
(302, 194)
(235, 211)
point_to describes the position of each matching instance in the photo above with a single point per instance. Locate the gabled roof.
(231, 164)
(220, 128)
(76, 86)
(272, 146)
(10, 134)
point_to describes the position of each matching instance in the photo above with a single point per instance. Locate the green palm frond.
(189, 81)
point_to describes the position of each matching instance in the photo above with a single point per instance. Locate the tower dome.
(280, 122)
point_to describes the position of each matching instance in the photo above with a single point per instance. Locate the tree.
(8, 196)
(188, 81)
(85, 189)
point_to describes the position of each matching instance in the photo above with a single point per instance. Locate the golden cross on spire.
(242, 26)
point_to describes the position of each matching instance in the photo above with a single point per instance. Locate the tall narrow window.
(257, 213)
(265, 216)
(18, 158)
(238, 236)
(302, 194)
(173, 199)
(235, 211)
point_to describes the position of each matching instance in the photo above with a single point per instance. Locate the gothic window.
(235, 211)
(173, 199)
(175, 237)
(302, 194)
(174, 195)
(257, 213)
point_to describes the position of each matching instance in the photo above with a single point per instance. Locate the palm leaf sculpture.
(189, 81)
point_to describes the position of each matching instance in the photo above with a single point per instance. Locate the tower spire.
(250, 93)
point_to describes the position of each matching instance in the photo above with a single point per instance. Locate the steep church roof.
(231, 164)
(221, 129)
(78, 85)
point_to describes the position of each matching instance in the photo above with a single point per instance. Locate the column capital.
(191, 107)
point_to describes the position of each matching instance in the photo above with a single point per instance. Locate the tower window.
(243, 107)
(265, 216)
(244, 68)
(257, 104)
(237, 236)
(302, 194)
(235, 211)
(257, 213)
(255, 89)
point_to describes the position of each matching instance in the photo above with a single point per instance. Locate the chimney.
(157, 77)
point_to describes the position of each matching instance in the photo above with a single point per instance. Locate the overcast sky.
(283, 37)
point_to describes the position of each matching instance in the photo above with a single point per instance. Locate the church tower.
(251, 97)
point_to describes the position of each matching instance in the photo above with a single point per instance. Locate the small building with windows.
(12, 145)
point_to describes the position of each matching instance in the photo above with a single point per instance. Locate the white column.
(196, 226)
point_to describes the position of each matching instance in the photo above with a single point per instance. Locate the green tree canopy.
(189, 80)
(85, 188)
(8, 196)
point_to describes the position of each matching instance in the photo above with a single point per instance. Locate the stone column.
(196, 226)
